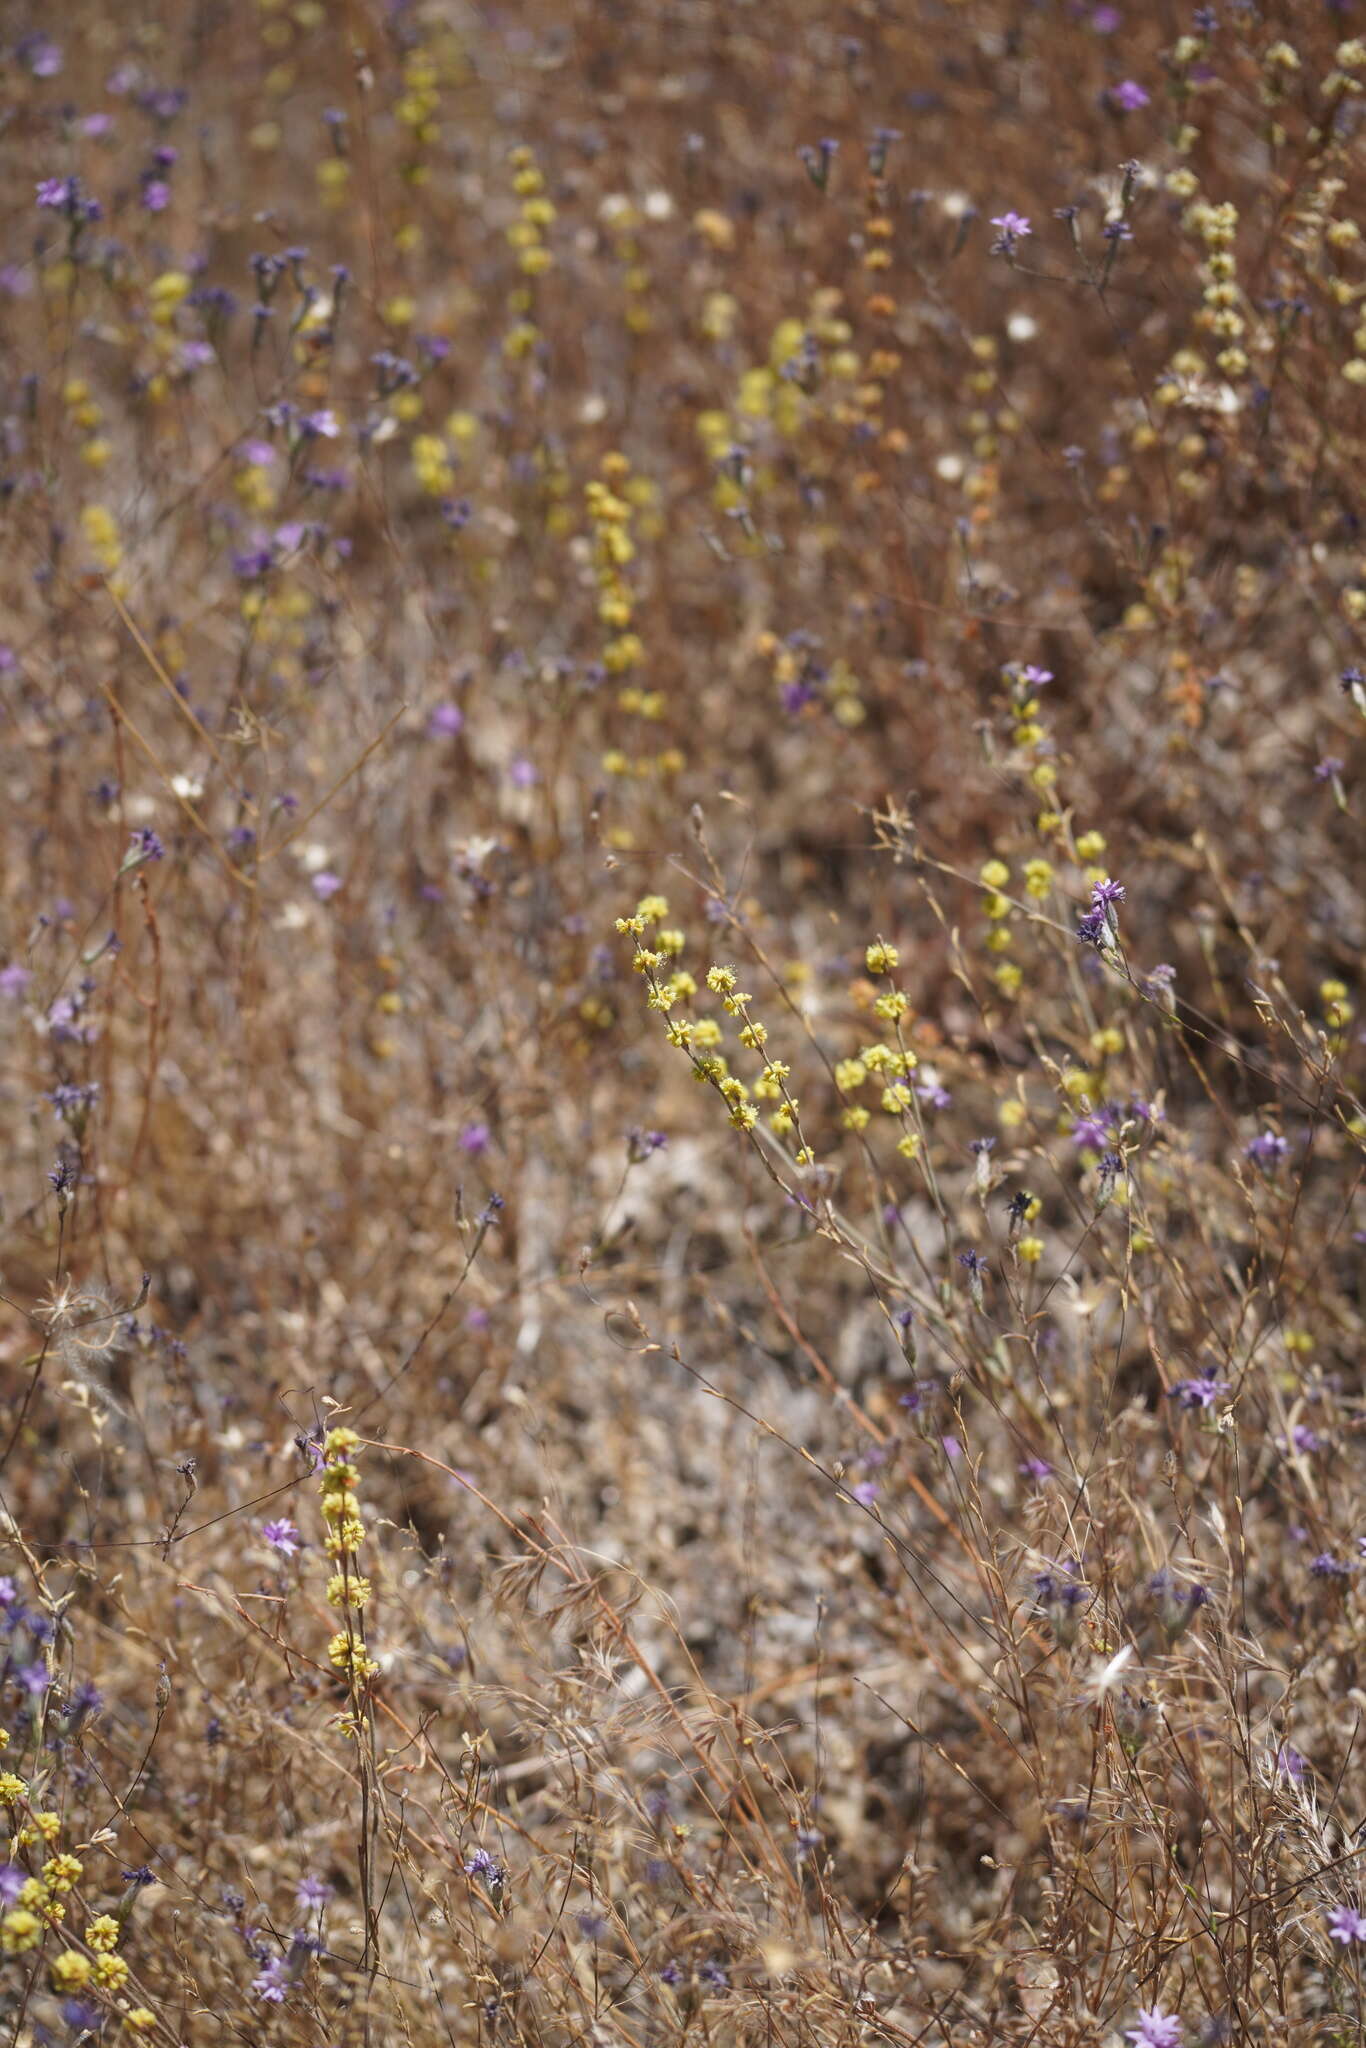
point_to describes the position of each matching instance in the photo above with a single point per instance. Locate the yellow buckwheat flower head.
(62, 1872)
(71, 1971)
(20, 1931)
(102, 1933)
(881, 958)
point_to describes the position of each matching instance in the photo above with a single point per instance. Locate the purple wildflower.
(1106, 894)
(1346, 1925)
(14, 979)
(474, 1138)
(1201, 1392)
(273, 1982)
(444, 721)
(817, 161)
(326, 885)
(1268, 1148)
(1060, 1588)
(1326, 1566)
(487, 1869)
(1129, 95)
(282, 1536)
(145, 845)
(1155, 2029)
(58, 194)
(642, 1144)
(1092, 928)
(1014, 227)
(156, 195)
(312, 1893)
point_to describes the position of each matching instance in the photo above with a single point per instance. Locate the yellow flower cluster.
(998, 909)
(624, 222)
(527, 233)
(890, 1065)
(101, 531)
(700, 1037)
(436, 455)
(41, 1904)
(347, 1651)
(85, 415)
(612, 499)
(1222, 313)
(166, 295)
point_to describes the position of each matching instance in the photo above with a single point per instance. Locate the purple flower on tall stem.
(976, 1268)
(1268, 1148)
(1346, 1925)
(58, 195)
(282, 1536)
(1128, 95)
(273, 1982)
(1201, 1392)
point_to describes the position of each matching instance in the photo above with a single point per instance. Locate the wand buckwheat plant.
(348, 1589)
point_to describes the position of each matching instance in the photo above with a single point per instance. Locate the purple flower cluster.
(1100, 925)
(1155, 2029)
(1201, 1392)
